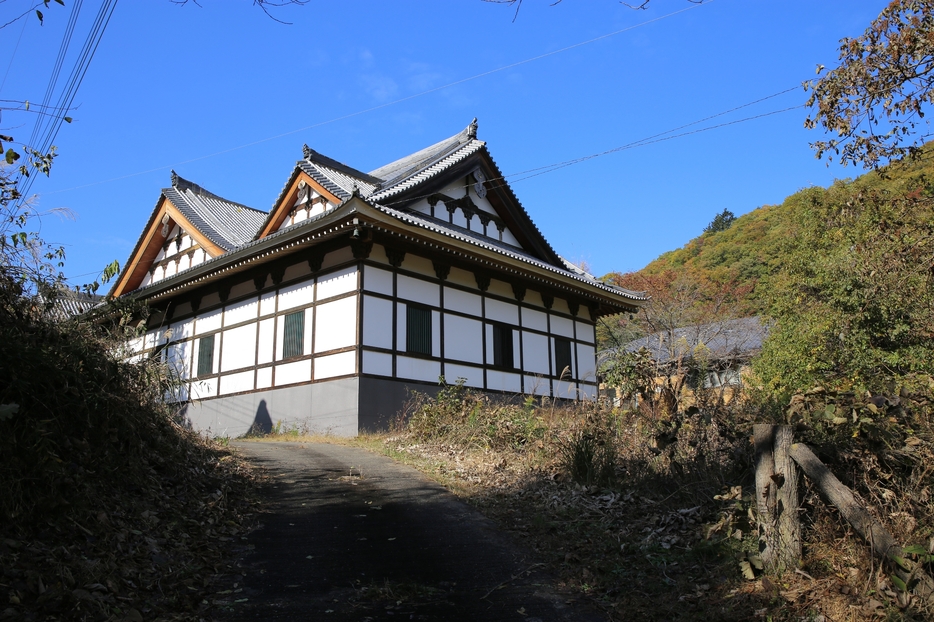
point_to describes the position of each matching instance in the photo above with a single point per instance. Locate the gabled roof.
(724, 341)
(225, 223)
(217, 224)
(413, 177)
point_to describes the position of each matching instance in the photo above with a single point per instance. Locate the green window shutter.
(293, 337)
(502, 346)
(563, 368)
(417, 330)
(206, 356)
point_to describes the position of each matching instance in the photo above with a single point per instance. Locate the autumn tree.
(874, 102)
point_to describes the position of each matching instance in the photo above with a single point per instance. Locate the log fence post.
(777, 498)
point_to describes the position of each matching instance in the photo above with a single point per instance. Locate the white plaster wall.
(463, 339)
(307, 334)
(296, 295)
(170, 269)
(208, 323)
(462, 301)
(459, 219)
(417, 369)
(400, 326)
(199, 257)
(534, 319)
(472, 375)
(377, 322)
(587, 361)
(462, 277)
(585, 332)
(337, 283)
(565, 389)
(182, 330)
(236, 383)
(503, 381)
(418, 290)
(239, 348)
(290, 373)
(241, 312)
(378, 363)
(483, 204)
(588, 391)
(502, 312)
(562, 326)
(201, 389)
(136, 344)
(421, 265)
(535, 356)
(267, 304)
(336, 324)
(147, 279)
(264, 378)
(150, 339)
(584, 313)
(537, 385)
(377, 280)
(509, 238)
(422, 207)
(342, 364)
(178, 358)
(266, 350)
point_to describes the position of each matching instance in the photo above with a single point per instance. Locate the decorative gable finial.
(355, 191)
(307, 151)
(174, 179)
(472, 129)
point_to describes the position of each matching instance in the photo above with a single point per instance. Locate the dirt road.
(355, 536)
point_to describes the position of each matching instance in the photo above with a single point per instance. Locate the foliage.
(721, 222)
(875, 99)
(854, 297)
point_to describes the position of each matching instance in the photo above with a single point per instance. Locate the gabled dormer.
(188, 226)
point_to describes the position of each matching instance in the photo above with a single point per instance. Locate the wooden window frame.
(563, 358)
(418, 341)
(206, 360)
(293, 345)
(503, 351)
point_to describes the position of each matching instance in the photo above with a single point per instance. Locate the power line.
(387, 104)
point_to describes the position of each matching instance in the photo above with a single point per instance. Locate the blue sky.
(227, 96)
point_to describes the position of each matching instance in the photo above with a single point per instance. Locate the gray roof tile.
(224, 222)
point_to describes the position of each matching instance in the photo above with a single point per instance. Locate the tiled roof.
(729, 339)
(465, 235)
(412, 169)
(225, 223)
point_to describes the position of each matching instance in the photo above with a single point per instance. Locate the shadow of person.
(262, 423)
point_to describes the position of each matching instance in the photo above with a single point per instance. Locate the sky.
(227, 96)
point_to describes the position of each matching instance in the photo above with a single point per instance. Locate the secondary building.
(358, 287)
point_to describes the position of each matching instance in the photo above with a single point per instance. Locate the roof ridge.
(181, 184)
(319, 158)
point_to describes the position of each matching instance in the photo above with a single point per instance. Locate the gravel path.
(351, 535)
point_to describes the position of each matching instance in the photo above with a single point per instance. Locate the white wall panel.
(342, 364)
(565, 389)
(488, 337)
(264, 378)
(307, 334)
(178, 358)
(266, 350)
(459, 300)
(509, 238)
(151, 338)
(182, 330)
(208, 322)
(236, 383)
(290, 373)
(535, 355)
(378, 363)
(588, 391)
(241, 312)
(463, 339)
(562, 326)
(502, 312)
(239, 348)
(337, 283)
(267, 303)
(298, 270)
(537, 385)
(242, 289)
(586, 362)
(377, 322)
(418, 290)
(585, 332)
(296, 295)
(377, 280)
(459, 219)
(201, 389)
(336, 324)
(472, 375)
(417, 369)
(534, 319)
(462, 277)
(400, 326)
(503, 381)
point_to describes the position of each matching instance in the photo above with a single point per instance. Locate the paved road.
(355, 536)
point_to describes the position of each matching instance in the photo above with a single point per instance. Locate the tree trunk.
(777, 498)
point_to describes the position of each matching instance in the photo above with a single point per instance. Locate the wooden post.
(777, 498)
(880, 540)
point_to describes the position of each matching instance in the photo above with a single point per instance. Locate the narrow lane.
(355, 536)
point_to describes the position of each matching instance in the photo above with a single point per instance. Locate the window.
(293, 335)
(206, 356)
(417, 330)
(502, 346)
(563, 367)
